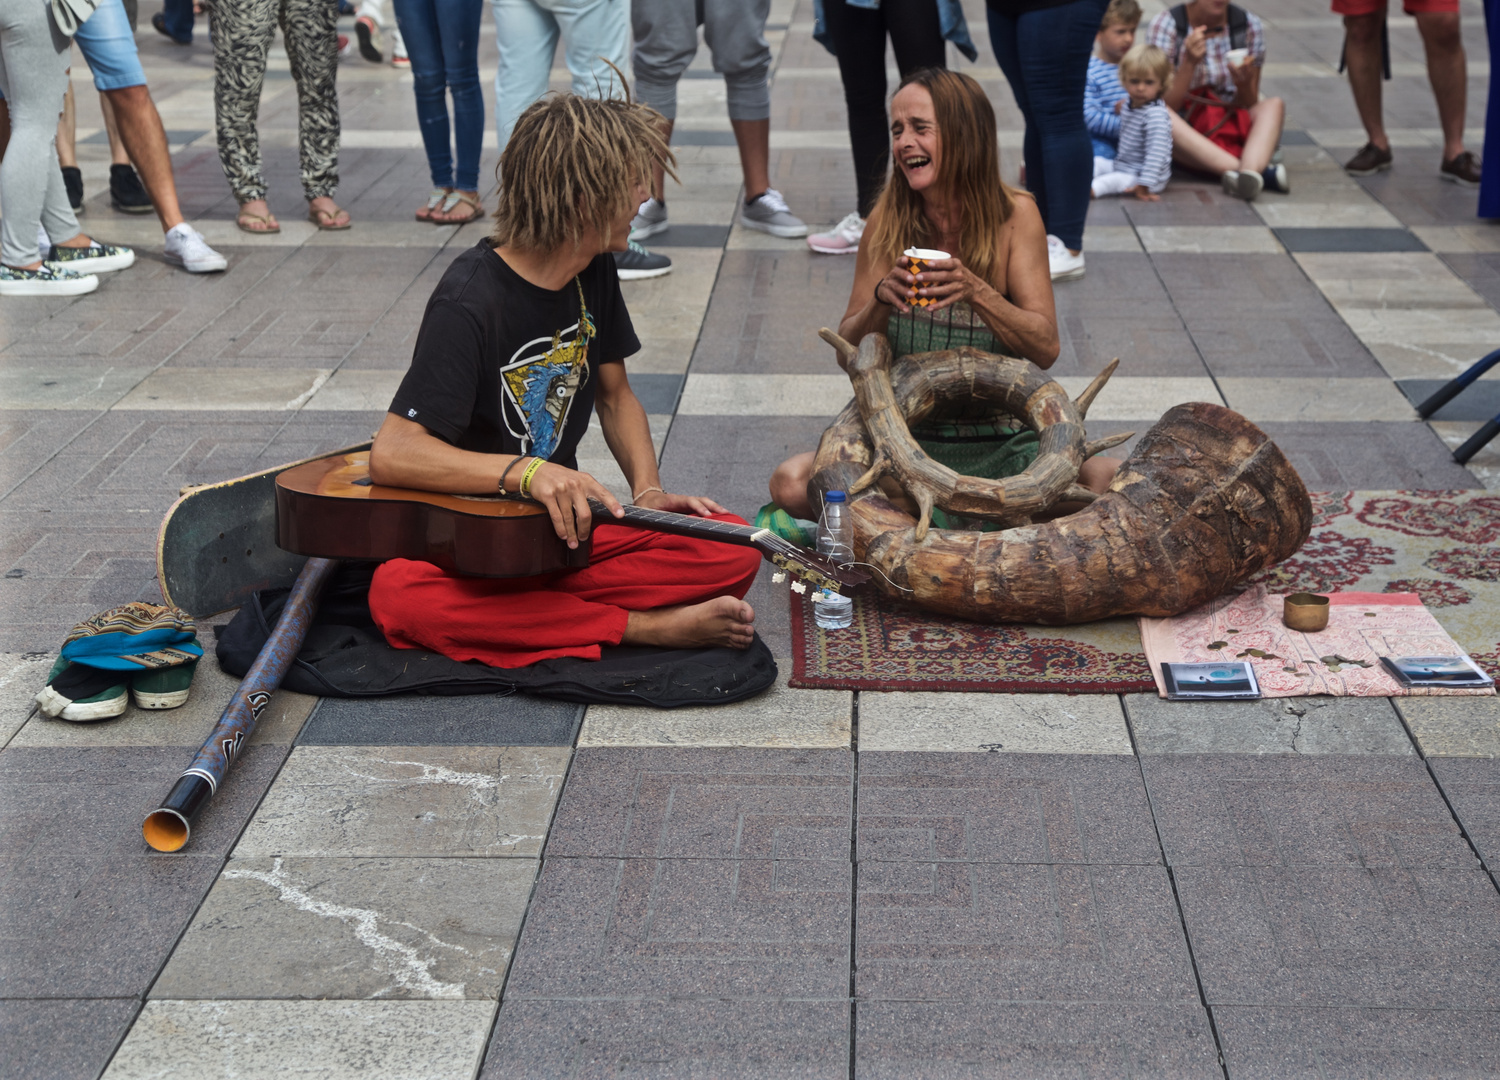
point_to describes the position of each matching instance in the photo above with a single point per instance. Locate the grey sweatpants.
(666, 39)
(33, 76)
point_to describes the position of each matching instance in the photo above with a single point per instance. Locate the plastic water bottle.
(836, 540)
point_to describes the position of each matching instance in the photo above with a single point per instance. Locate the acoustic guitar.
(330, 509)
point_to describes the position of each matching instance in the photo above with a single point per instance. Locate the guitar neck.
(640, 517)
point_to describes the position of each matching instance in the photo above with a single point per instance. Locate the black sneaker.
(1463, 170)
(1276, 179)
(635, 262)
(126, 192)
(73, 181)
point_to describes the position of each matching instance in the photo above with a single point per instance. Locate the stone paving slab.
(979, 723)
(779, 718)
(990, 932)
(21, 675)
(1308, 725)
(422, 720)
(353, 928)
(923, 808)
(1314, 1044)
(1326, 811)
(1355, 456)
(625, 929)
(670, 1040)
(408, 800)
(331, 1040)
(1315, 936)
(1453, 727)
(680, 803)
(926, 1040)
(61, 1038)
(1319, 400)
(1472, 786)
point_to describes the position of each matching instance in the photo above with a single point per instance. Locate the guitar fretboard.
(683, 524)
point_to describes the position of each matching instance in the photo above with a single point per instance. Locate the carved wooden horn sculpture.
(1204, 501)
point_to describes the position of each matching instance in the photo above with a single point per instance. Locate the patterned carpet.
(1442, 545)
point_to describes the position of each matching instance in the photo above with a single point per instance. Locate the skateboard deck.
(217, 543)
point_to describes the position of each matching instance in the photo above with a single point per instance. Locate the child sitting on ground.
(1142, 163)
(1104, 95)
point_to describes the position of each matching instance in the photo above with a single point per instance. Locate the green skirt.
(982, 450)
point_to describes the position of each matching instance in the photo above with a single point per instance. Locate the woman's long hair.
(968, 171)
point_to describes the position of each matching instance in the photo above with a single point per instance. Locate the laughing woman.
(994, 293)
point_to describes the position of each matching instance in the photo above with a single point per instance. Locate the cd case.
(1455, 672)
(1210, 682)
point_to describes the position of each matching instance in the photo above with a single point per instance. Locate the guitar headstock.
(818, 571)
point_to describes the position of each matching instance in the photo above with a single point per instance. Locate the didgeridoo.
(168, 827)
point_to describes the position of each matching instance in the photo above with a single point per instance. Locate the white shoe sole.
(83, 712)
(104, 264)
(159, 701)
(646, 232)
(640, 275)
(1460, 181)
(1069, 275)
(832, 250)
(786, 232)
(199, 266)
(87, 283)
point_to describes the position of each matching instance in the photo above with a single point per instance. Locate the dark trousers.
(177, 17)
(859, 39)
(1045, 57)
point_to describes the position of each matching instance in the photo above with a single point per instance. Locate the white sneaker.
(649, 220)
(769, 213)
(46, 281)
(842, 239)
(185, 247)
(1065, 265)
(1053, 243)
(97, 258)
(1242, 185)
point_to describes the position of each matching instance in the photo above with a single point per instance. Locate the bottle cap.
(833, 496)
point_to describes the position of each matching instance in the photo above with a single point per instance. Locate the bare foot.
(720, 621)
(256, 217)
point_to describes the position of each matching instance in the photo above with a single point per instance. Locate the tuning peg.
(798, 587)
(778, 577)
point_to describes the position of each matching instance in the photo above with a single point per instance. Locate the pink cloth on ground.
(1361, 626)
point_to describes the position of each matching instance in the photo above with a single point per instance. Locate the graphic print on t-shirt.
(541, 380)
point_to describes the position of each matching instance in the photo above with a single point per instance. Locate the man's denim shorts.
(107, 43)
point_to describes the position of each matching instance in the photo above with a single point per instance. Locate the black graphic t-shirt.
(503, 366)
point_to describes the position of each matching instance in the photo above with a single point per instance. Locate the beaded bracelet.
(503, 475)
(536, 463)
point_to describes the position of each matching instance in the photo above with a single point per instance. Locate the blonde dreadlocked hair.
(572, 162)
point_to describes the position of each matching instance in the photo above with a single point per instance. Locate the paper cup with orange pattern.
(920, 259)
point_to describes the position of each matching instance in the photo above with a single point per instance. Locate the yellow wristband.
(536, 463)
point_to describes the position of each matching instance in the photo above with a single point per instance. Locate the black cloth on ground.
(345, 655)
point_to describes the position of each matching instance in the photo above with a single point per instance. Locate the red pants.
(512, 622)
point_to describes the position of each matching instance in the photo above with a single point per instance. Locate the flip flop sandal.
(433, 202)
(323, 218)
(453, 199)
(246, 215)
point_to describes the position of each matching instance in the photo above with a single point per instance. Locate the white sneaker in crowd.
(1064, 264)
(649, 220)
(769, 213)
(185, 247)
(97, 258)
(45, 281)
(1242, 185)
(842, 239)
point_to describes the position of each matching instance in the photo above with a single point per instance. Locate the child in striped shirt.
(1143, 160)
(1104, 95)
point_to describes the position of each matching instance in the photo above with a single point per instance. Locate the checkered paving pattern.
(808, 884)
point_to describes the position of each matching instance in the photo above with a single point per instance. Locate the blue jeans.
(526, 35)
(108, 44)
(177, 18)
(1045, 57)
(442, 40)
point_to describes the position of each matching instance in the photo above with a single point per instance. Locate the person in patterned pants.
(242, 31)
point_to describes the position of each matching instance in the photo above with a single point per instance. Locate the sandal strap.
(436, 198)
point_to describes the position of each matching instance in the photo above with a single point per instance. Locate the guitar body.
(328, 508)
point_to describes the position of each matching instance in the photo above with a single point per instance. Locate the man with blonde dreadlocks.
(524, 337)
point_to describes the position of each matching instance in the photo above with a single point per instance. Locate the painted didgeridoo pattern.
(168, 827)
(1205, 500)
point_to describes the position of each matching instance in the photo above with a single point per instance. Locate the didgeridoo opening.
(168, 827)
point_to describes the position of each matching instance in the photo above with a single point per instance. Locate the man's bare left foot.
(718, 622)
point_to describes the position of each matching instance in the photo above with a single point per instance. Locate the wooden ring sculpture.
(1204, 501)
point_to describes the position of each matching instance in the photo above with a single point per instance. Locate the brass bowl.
(1307, 612)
